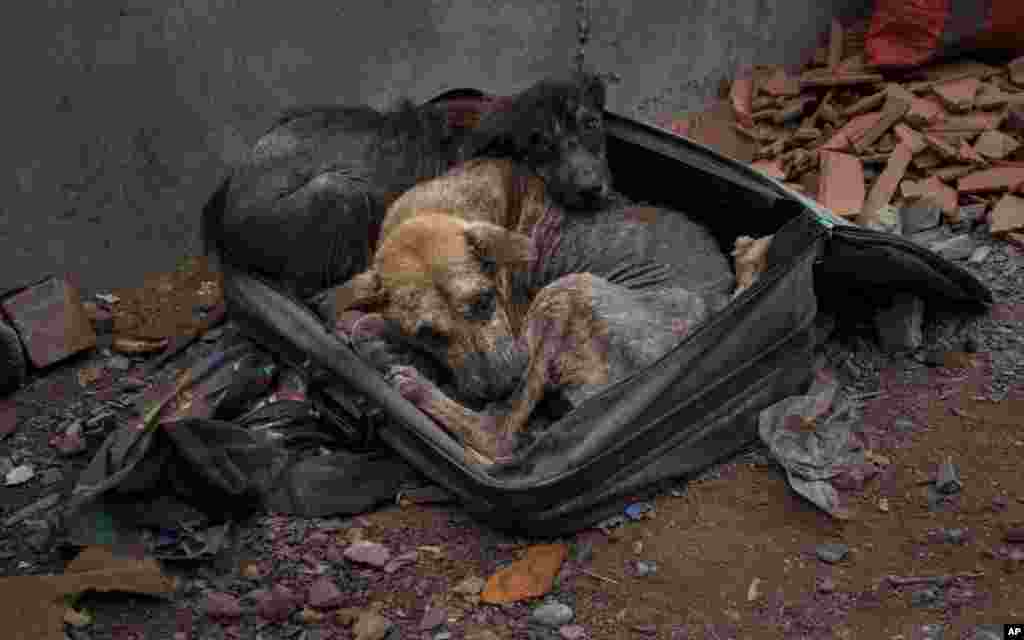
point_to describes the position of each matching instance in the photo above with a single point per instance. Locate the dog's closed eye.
(483, 306)
(428, 335)
(591, 123)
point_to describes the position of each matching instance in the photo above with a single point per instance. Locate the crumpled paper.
(818, 455)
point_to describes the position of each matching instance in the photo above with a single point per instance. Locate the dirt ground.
(731, 554)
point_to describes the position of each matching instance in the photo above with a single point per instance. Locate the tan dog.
(443, 279)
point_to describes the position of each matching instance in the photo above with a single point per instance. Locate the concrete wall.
(121, 116)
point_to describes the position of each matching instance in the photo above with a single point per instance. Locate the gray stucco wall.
(121, 116)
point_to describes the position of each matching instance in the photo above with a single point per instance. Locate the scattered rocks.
(926, 597)
(921, 215)
(900, 326)
(20, 475)
(399, 561)
(371, 553)
(1014, 534)
(277, 604)
(471, 586)
(948, 481)
(980, 254)
(572, 632)
(324, 594)
(956, 248)
(832, 552)
(371, 626)
(826, 585)
(433, 618)
(119, 363)
(553, 614)
(955, 536)
(222, 606)
(646, 568)
(71, 442)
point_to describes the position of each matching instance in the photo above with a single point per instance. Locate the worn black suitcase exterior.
(697, 405)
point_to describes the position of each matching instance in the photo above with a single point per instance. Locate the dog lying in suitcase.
(519, 304)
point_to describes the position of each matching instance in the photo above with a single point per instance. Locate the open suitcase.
(697, 405)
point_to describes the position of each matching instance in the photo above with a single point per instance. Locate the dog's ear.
(361, 292)
(497, 246)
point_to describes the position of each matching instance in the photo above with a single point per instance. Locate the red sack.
(906, 33)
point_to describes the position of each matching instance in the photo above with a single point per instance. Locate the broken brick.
(818, 79)
(842, 183)
(51, 321)
(958, 95)
(927, 159)
(855, 128)
(1015, 118)
(910, 137)
(781, 83)
(942, 147)
(741, 95)
(772, 168)
(885, 187)
(942, 194)
(969, 124)
(865, 104)
(1016, 69)
(953, 172)
(1007, 216)
(924, 112)
(791, 110)
(991, 180)
(995, 145)
(958, 70)
(896, 106)
(970, 154)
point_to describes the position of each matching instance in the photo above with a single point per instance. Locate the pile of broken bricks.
(943, 144)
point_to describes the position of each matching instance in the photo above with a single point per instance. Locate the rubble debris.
(780, 84)
(8, 418)
(958, 95)
(50, 320)
(139, 346)
(897, 102)
(1016, 69)
(1008, 215)
(13, 369)
(371, 626)
(813, 80)
(991, 180)
(552, 614)
(936, 190)
(531, 577)
(832, 552)
(41, 505)
(842, 183)
(20, 475)
(910, 137)
(958, 247)
(947, 481)
(35, 604)
(920, 215)
(885, 186)
(995, 145)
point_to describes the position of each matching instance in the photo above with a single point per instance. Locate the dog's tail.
(211, 229)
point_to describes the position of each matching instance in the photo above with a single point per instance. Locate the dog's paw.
(409, 384)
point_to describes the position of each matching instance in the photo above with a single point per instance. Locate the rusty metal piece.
(50, 320)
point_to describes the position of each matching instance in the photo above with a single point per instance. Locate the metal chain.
(582, 32)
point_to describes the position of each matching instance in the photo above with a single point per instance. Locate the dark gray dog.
(305, 208)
